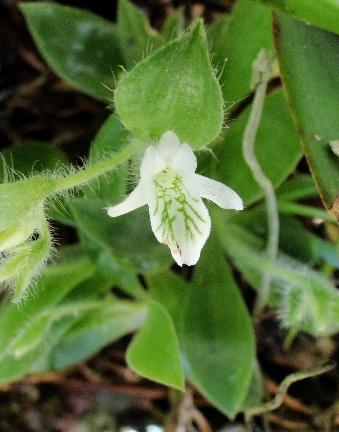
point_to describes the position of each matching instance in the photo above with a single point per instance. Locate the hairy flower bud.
(21, 209)
(25, 240)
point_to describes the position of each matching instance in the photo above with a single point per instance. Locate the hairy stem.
(93, 171)
(262, 68)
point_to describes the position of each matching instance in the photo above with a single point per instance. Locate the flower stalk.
(93, 171)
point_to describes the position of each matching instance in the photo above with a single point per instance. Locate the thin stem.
(86, 174)
(283, 388)
(261, 74)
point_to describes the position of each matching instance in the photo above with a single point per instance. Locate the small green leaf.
(154, 351)
(79, 46)
(174, 25)
(255, 391)
(28, 339)
(216, 34)
(63, 276)
(296, 188)
(217, 336)
(32, 156)
(141, 253)
(284, 147)
(23, 326)
(95, 329)
(170, 290)
(320, 13)
(173, 89)
(33, 331)
(237, 46)
(136, 36)
(111, 137)
(309, 67)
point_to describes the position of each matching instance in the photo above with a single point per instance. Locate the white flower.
(173, 192)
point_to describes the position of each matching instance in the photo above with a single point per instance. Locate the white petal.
(184, 160)
(152, 163)
(168, 146)
(220, 194)
(179, 218)
(137, 198)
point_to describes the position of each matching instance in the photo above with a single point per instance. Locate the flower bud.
(23, 265)
(21, 209)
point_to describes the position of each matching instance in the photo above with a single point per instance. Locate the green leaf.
(136, 36)
(173, 89)
(284, 147)
(216, 36)
(154, 351)
(79, 46)
(170, 290)
(255, 391)
(31, 156)
(306, 300)
(217, 336)
(308, 61)
(111, 137)
(238, 44)
(296, 188)
(320, 13)
(63, 276)
(32, 333)
(128, 239)
(114, 270)
(23, 327)
(31, 336)
(174, 25)
(108, 322)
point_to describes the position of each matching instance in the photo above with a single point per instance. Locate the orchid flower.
(173, 191)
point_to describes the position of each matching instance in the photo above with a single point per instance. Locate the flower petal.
(184, 159)
(220, 194)
(137, 198)
(152, 163)
(179, 218)
(168, 146)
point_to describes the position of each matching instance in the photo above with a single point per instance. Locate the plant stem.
(84, 175)
(262, 67)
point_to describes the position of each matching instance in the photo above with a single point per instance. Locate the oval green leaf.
(111, 137)
(129, 239)
(154, 351)
(173, 89)
(136, 36)
(79, 46)
(236, 44)
(95, 329)
(217, 336)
